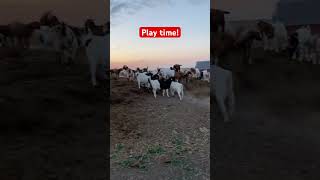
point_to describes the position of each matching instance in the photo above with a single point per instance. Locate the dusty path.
(139, 122)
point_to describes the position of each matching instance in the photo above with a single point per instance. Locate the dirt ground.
(162, 138)
(275, 131)
(49, 126)
(53, 123)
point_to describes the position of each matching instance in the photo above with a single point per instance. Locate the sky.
(74, 11)
(127, 48)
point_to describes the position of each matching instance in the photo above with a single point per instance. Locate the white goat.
(167, 72)
(44, 38)
(59, 38)
(198, 73)
(223, 91)
(315, 50)
(177, 87)
(68, 42)
(124, 74)
(304, 36)
(206, 75)
(155, 71)
(155, 85)
(97, 50)
(279, 41)
(142, 78)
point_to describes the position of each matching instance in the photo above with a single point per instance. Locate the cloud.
(131, 6)
(120, 8)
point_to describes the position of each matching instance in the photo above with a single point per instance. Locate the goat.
(167, 72)
(97, 50)
(266, 29)
(315, 49)
(165, 85)
(178, 76)
(245, 44)
(142, 78)
(96, 30)
(176, 67)
(21, 33)
(68, 43)
(223, 91)
(124, 74)
(48, 19)
(155, 85)
(304, 37)
(131, 74)
(78, 32)
(293, 46)
(197, 73)
(177, 87)
(206, 75)
(280, 39)
(224, 43)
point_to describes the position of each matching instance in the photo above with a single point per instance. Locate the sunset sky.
(128, 48)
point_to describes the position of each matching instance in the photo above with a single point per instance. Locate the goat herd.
(163, 79)
(50, 33)
(299, 45)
